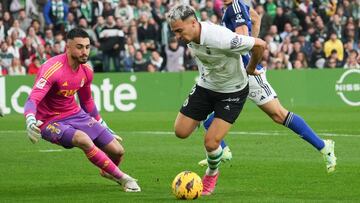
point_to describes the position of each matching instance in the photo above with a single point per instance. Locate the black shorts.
(201, 102)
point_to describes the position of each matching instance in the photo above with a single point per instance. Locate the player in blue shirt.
(243, 19)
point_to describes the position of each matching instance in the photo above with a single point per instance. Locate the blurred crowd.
(133, 35)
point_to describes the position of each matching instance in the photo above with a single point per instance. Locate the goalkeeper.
(52, 113)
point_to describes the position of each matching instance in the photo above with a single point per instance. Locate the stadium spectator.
(174, 56)
(86, 11)
(97, 10)
(2, 31)
(287, 31)
(40, 54)
(317, 59)
(74, 9)
(333, 43)
(111, 43)
(140, 63)
(24, 20)
(270, 7)
(108, 9)
(59, 38)
(124, 11)
(157, 61)
(27, 51)
(49, 36)
(36, 40)
(16, 68)
(7, 21)
(266, 20)
(71, 22)
(129, 59)
(55, 14)
(351, 61)
(6, 56)
(281, 19)
(34, 66)
(146, 30)
(333, 60)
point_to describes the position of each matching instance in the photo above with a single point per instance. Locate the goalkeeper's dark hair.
(180, 12)
(77, 32)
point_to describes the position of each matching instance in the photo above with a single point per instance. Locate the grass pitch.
(270, 163)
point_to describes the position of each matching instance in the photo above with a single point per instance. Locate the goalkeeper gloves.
(117, 137)
(33, 131)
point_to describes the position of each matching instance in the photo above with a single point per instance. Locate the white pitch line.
(259, 133)
(50, 150)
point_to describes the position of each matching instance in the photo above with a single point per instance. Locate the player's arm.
(88, 105)
(43, 84)
(256, 56)
(256, 23)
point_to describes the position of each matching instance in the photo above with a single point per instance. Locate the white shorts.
(260, 90)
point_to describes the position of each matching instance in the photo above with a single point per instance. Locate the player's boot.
(129, 184)
(209, 183)
(227, 156)
(329, 155)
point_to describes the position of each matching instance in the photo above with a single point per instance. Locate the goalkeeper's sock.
(300, 127)
(101, 160)
(207, 122)
(214, 160)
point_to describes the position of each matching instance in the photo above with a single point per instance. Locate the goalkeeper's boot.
(129, 184)
(329, 155)
(209, 183)
(227, 156)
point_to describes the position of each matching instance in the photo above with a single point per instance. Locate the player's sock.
(214, 160)
(101, 160)
(300, 127)
(223, 144)
(207, 124)
(116, 162)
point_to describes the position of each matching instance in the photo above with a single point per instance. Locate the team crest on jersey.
(235, 42)
(239, 18)
(82, 82)
(41, 83)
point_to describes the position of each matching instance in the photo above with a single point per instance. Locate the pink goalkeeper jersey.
(53, 94)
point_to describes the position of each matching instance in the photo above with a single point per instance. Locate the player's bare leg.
(102, 161)
(216, 132)
(184, 126)
(282, 116)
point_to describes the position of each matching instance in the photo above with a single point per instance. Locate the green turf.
(276, 167)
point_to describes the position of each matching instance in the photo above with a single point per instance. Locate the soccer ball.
(187, 185)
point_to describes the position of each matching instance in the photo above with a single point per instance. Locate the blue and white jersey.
(236, 15)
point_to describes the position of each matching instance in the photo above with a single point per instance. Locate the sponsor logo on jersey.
(348, 87)
(237, 99)
(41, 83)
(227, 107)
